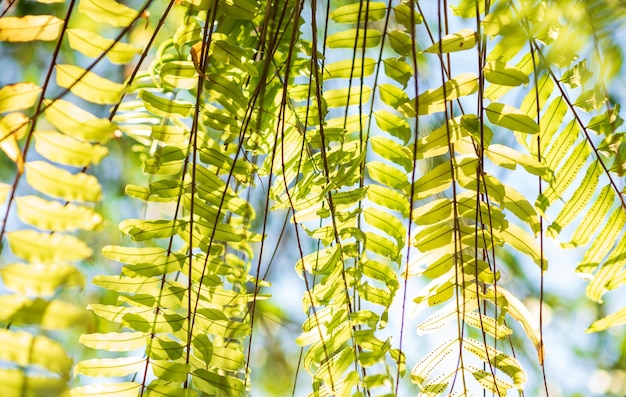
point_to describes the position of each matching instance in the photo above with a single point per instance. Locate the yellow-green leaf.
(24, 349)
(358, 12)
(180, 74)
(53, 215)
(108, 11)
(432, 101)
(354, 38)
(16, 383)
(462, 40)
(18, 96)
(121, 366)
(512, 118)
(163, 106)
(498, 72)
(49, 315)
(78, 123)
(115, 341)
(342, 97)
(123, 389)
(509, 158)
(90, 86)
(59, 183)
(66, 150)
(93, 45)
(348, 68)
(612, 320)
(30, 28)
(41, 280)
(47, 248)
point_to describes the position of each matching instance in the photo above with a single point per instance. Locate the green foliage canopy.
(388, 132)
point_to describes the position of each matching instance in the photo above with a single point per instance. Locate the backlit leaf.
(18, 96)
(47, 248)
(121, 366)
(41, 280)
(66, 150)
(90, 87)
(512, 118)
(354, 38)
(24, 349)
(108, 11)
(30, 28)
(58, 183)
(123, 389)
(462, 40)
(78, 123)
(93, 45)
(358, 12)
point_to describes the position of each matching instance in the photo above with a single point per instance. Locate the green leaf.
(108, 11)
(90, 87)
(30, 28)
(170, 371)
(104, 367)
(40, 280)
(240, 9)
(130, 285)
(520, 313)
(66, 150)
(398, 69)
(58, 183)
(509, 158)
(93, 45)
(358, 12)
(497, 72)
(402, 12)
(388, 198)
(603, 243)
(392, 95)
(392, 151)
(593, 218)
(180, 74)
(515, 202)
(18, 96)
(393, 124)
(115, 341)
(507, 364)
(354, 38)
(49, 315)
(612, 320)
(52, 215)
(349, 68)
(519, 239)
(78, 123)
(578, 201)
(609, 270)
(215, 384)
(565, 175)
(25, 349)
(163, 106)
(159, 388)
(462, 40)
(511, 118)
(343, 97)
(142, 230)
(387, 175)
(432, 101)
(122, 389)
(47, 248)
(400, 42)
(15, 383)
